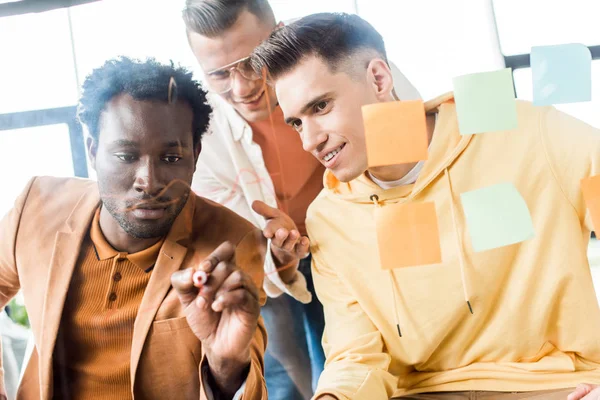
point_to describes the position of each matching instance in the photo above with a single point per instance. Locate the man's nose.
(240, 86)
(147, 179)
(313, 138)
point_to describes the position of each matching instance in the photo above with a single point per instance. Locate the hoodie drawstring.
(375, 199)
(459, 248)
(395, 296)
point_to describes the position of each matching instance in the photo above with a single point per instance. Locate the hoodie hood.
(446, 146)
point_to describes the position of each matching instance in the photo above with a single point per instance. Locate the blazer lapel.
(169, 260)
(67, 245)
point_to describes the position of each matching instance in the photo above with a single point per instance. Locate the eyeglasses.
(220, 79)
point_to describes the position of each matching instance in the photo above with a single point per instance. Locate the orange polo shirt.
(92, 353)
(297, 175)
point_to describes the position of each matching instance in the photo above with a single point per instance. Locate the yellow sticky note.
(395, 132)
(591, 194)
(407, 235)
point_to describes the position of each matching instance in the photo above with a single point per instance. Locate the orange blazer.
(40, 240)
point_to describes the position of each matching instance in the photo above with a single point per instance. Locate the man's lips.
(147, 213)
(151, 206)
(251, 100)
(329, 157)
(150, 211)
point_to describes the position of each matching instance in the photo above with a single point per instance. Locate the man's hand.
(287, 245)
(585, 391)
(223, 313)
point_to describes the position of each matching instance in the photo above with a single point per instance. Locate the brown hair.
(213, 17)
(333, 37)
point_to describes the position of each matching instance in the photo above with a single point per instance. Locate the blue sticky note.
(561, 74)
(485, 102)
(496, 216)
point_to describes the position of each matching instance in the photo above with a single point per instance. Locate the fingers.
(225, 279)
(238, 279)
(239, 298)
(303, 247)
(292, 241)
(219, 274)
(581, 391)
(265, 210)
(285, 239)
(225, 252)
(188, 281)
(593, 395)
(184, 286)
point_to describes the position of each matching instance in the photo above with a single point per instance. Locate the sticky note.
(591, 194)
(395, 132)
(561, 74)
(496, 216)
(407, 235)
(485, 102)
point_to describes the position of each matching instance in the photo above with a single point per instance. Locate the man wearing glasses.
(254, 164)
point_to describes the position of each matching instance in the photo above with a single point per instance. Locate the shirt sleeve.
(208, 391)
(9, 276)
(275, 286)
(572, 149)
(254, 386)
(357, 365)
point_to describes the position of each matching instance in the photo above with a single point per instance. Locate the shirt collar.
(144, 259)
(237, 124)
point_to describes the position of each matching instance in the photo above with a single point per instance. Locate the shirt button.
(112, 297)
(117, 277)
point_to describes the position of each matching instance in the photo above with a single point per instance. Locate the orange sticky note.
(407, 235)
(395, 132)
(591, 193)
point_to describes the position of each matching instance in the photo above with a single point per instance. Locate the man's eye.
(171, 159)
(297, 124)
(125, 157)
(218, 75)
(320, 106)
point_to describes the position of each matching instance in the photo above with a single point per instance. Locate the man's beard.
(148, 229)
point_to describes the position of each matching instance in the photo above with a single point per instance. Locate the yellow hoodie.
(535, 322)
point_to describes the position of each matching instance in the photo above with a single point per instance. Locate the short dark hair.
(143, 80)
(213, 17)
(333, 37)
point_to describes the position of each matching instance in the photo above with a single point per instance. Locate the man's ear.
(197, 150)
(92, 149)
(280, 24)
(380, 77)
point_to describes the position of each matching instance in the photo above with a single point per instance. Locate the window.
(523, 24)
(37, 70)
(431, 48)
(138, 29)
(27, 152)
(286, 10)
(586, 111)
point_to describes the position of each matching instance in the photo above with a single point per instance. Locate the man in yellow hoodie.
(518, 321)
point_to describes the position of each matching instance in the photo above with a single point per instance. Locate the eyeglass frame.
(231, 67)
